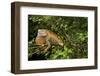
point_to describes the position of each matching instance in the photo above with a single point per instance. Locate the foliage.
(72, 31)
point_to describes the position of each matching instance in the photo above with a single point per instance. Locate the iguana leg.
(49, 45)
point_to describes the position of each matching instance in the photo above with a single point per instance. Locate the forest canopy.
(73, 31)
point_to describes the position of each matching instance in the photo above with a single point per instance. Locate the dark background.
(72, 30)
